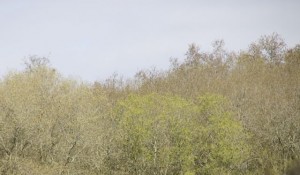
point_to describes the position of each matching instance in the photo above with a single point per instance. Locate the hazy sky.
(92, 39)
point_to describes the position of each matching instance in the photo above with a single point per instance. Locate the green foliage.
(154, 134)
(169, 135)
(222, 144)
(215, 112)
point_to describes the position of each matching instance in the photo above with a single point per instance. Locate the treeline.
(214, 112)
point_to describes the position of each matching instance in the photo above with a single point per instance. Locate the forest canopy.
(218, 112)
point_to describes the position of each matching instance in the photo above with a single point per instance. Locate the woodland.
(210, 113)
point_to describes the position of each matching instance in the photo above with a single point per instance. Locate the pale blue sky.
(92, 39)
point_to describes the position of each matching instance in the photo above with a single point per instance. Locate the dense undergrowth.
(213, 113)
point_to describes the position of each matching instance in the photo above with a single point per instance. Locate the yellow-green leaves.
(155, 133)
(162, 133)
(214, 113)
(220, 141)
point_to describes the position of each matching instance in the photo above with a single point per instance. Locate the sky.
(93, 39)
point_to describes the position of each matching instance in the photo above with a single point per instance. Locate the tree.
(270, 47)
(154, 135)
(169, 135)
